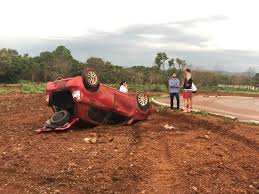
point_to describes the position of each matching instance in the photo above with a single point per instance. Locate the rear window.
(96, 114)
(102, 116)
(116, 118)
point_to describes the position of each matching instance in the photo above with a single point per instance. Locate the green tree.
(160, 60)
(62, 59)
(33, 68)
(256, 79)
(171, 63)
(11, 65)
(45, 61)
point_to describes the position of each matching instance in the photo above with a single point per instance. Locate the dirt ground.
(202, 154)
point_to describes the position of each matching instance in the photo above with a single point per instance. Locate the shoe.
(172, 110)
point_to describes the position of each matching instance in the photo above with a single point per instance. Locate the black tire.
(143, 102)
(59, 78)
(60, 118)
(90, 79)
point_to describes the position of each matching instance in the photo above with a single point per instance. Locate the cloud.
(138, 44)
(229, 60)
(194, 22)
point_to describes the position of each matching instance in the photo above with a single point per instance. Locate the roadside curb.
(195, 110)
(253, 121)
(219, 96)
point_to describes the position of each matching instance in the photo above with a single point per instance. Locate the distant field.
(144, 87)
(29, 87)
(32, 88)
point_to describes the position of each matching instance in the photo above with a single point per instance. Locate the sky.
(215, 35)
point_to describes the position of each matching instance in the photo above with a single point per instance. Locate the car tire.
(143, 102)
(91, 79)
(60, 118)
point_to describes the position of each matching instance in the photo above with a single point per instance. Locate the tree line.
(60, 62)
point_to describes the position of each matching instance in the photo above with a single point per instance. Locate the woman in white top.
(123, 87)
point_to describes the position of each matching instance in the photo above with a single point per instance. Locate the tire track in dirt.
(165, 172)
(131, 170)
(157, 171)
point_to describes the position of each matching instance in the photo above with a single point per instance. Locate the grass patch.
(6, 91)
(154, 97)
(250, 123)
(228, 90)
(30, 87)
(25, 87)
(144, 87)
(160, 108)
(33, 88)
(226, 119)
(149, 87)
(202, 113)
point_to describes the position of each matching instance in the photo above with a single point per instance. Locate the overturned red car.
(85, 98)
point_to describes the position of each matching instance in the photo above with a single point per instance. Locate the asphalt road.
(244, 108)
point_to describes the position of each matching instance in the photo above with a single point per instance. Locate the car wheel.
(60, 118)
(59, 78)
(143, 102)
(90, 79)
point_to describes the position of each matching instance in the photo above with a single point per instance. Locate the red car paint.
(105, 98)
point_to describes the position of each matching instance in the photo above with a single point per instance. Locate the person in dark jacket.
(187, 91)
(174, 85)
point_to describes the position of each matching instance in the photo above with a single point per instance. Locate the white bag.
(194, 88)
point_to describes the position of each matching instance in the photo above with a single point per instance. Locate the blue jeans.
(176, 95)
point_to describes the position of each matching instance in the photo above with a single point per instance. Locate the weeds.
(160, 108)
(6, 91)
(33, 88)
(250, 123)
(202, 113)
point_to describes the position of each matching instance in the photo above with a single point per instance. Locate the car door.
(124, 104)
(104, 98)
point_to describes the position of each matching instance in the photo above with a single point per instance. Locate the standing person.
(187, 91)
(174, 85)
(123, 87)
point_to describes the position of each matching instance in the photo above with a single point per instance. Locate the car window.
(96, 114)
(102, 116)
(115, 118)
